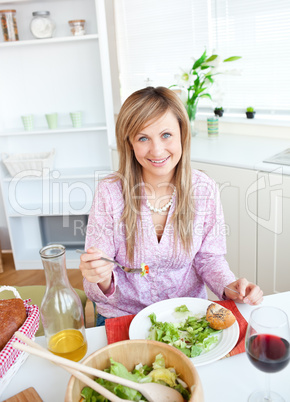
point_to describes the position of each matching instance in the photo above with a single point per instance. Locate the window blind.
(157, 39)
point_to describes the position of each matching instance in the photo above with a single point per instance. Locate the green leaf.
(142, 370)
(233, 58)
(163, 374)
(186, 351)
(205, 96)
(88, 394)
(182, 308)
(211, 58)
(191, 101)
(183, 391)
(127, 393)
(195, 350)
(196, 81)
(159, 362)
(120, 370)
(208, 342)
(199, 62)
(152, 317)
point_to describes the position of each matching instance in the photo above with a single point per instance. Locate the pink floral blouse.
(173, 272)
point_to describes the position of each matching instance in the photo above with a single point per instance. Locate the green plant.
(218, 111)
(200, 78)
(250, 109)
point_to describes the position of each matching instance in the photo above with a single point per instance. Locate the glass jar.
(9, 25)
(41, 25)
(77, 27)
(61, 308)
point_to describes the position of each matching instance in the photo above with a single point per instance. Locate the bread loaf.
(219, 317)
(12, 316)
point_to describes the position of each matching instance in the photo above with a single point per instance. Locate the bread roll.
(12, 316)
(219, 317)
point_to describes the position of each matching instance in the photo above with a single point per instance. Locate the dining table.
(226, 380)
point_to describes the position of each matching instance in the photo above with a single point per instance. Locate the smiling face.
(157, 147)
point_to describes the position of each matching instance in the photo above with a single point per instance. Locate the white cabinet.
(238, 189)
(62, 74)
(274, 232)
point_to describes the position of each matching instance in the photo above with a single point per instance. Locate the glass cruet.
(61, 308)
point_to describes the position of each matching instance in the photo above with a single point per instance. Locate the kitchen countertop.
(240, 151)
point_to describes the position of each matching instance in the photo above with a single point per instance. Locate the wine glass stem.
(267, 388)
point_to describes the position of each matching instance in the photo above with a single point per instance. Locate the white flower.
(184, 78)
(216, 62)
(207, 82)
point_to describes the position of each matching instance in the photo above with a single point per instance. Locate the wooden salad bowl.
(133, 352)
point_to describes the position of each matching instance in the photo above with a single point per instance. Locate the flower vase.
(192, 127)
(191, 111)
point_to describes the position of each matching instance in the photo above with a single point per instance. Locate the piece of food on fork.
(144, 270)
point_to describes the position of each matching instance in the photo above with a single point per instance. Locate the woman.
(156, 210)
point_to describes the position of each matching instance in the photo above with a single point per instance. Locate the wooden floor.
(11, 277)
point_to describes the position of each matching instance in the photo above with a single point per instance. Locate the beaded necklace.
(162, 209)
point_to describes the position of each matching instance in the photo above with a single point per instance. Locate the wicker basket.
(16, 163)
(11, 359)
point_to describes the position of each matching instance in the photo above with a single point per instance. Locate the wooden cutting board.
(28, 395)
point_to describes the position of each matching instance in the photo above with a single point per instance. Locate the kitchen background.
(91, 67)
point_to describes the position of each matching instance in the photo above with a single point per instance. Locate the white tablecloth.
(227, 380)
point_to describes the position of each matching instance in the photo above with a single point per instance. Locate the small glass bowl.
(77, 27)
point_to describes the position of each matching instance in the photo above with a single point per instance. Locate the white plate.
(141, 323)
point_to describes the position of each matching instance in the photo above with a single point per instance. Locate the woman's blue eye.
(166, 135)
(142, 139)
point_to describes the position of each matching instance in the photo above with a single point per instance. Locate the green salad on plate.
(192, 336)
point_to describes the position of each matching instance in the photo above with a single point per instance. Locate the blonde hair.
(140, 108)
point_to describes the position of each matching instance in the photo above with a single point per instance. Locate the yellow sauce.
(68, 343)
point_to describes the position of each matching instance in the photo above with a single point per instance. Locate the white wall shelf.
(62, 74)
(41, 42)
(60, 130)
(63, 174)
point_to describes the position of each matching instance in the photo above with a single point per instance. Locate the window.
(157, 38)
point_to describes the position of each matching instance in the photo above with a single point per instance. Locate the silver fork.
(126, 269)
(232, 290)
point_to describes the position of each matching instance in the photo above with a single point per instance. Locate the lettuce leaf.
(182, 308)
(192, 336)
(157, 373)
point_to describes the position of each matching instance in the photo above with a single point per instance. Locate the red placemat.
(240, 345)
(117, 329)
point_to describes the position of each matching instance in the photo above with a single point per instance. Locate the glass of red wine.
(267, 346)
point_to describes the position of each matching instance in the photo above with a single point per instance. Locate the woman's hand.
(248, 292)
(96, 270)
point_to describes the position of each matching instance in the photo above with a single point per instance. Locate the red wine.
(268, 353)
